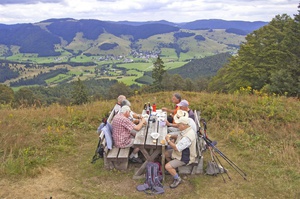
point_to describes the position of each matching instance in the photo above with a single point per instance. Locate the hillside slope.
(51, 155)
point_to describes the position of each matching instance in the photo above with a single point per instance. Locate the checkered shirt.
(121, 127)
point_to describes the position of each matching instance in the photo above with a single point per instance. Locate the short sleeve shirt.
(183, 144)
(121, 127)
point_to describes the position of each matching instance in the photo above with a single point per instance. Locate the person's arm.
(136, 116)
(171, 124)
(140, 125)
(171, 141)
(168, 110)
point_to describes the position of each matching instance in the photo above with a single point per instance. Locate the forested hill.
(44, 37)
(205, 67)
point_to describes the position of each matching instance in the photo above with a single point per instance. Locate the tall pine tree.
(157, 73)
(79, 94)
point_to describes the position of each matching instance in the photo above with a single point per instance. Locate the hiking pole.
(214, 160)
(227, 159)
(224, 170)
(209, 142)
(234, 166)
(96, 153)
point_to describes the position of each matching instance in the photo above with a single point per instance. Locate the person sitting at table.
(134, 117)
(184, 105)
(121, 132)
(173, 127)
(176, 98)
(183, 149)
(118, 106)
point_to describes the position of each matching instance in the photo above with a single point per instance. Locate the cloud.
(5, 2)
(32, 11)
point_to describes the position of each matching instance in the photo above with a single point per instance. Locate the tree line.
(269, 60)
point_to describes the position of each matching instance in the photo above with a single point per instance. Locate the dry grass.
(47, 151)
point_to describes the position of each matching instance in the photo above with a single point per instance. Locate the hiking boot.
(136, 160)
(175, 183)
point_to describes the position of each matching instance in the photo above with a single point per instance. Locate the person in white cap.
(184, 105)
(183, 149)
(173, 127)
(122, 129)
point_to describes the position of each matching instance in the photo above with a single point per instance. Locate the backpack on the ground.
(213, 168)
(153, 182)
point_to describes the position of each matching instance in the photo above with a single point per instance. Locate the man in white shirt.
(183, 149)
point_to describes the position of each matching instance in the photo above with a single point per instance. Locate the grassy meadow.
(47, 151)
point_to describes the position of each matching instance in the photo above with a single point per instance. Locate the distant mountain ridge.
(42, 37)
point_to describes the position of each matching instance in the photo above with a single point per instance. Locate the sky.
(32, 11)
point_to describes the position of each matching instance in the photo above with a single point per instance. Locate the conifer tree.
(79, 94)
(158, 72)
(269, 60)
(6, 94)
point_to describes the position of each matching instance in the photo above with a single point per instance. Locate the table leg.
(149, 158)
(163, 159)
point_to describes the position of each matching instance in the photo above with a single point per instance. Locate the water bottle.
(147, 109)
(154, 107)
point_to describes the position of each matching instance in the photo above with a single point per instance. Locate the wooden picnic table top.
(143, 137)
(151, 148)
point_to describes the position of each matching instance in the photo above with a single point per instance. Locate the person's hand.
(164, 109)
(168, 137)
(143, 120)
(167, 122)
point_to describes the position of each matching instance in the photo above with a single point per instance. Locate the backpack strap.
(148, 184)
(158, 187)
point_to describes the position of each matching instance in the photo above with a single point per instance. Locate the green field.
(47, 151)
(216, 41)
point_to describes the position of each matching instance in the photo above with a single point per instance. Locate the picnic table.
(151, 148)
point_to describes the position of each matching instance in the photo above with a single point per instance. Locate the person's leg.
(134, 157)
(171, 168)
(168, 155)
(135, 152)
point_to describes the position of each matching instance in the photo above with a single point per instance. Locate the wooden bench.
(197, 166)
(116, 157)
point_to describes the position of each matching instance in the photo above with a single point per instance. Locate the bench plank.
(113, 154)
(124, 153)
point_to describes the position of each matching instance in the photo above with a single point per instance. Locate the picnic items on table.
(149, 138)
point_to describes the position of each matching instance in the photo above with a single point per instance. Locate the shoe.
(175, 183)
(136, 160)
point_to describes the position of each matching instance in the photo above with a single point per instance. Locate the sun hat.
(179, 114)
(183, 120)
(183, 103)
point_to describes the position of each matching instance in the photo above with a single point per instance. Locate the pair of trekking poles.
(213, 149)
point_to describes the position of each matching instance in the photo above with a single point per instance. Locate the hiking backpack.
(153, 181)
